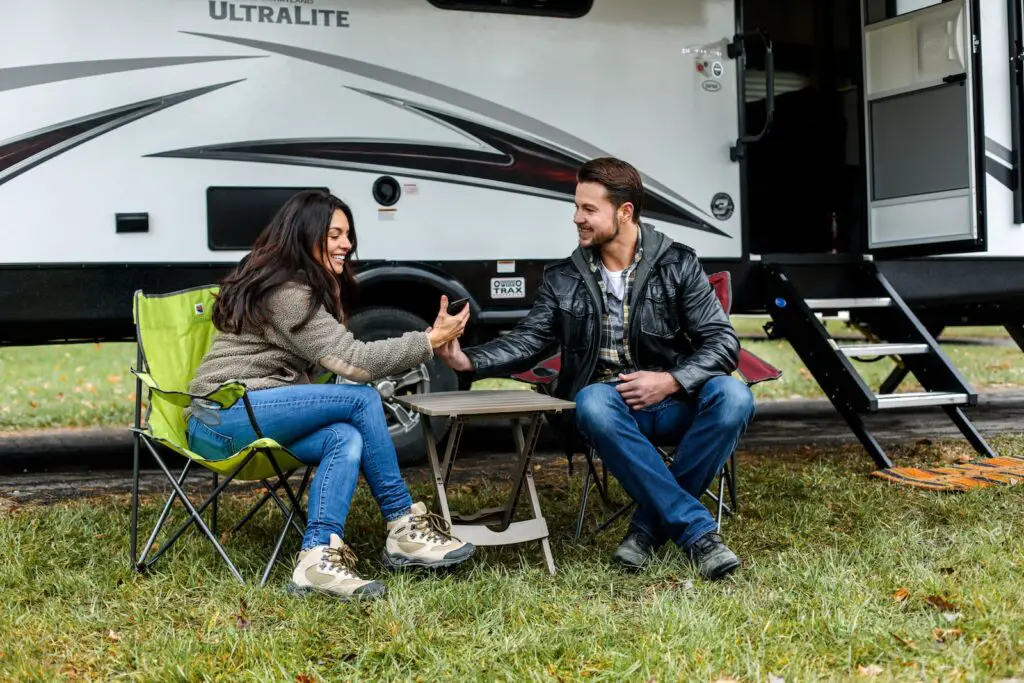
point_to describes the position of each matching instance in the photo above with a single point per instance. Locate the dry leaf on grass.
(242, 620)
(944, 634)
(941, 603)
(905, 642)
(871, 670)
(303, 678)
(113, 635)
(901, 595)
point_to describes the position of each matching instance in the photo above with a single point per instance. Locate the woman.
(281, 319)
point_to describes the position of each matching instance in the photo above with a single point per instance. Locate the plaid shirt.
(614, 356)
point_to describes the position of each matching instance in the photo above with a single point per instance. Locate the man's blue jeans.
(706, 431)
(338, 427)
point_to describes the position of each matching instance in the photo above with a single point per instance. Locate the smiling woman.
(281, 318)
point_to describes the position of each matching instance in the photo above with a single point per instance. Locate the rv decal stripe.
(452, 96)
(997, 150)
(16, 77)
(1001, 173)
(19, 154)
(498, 159)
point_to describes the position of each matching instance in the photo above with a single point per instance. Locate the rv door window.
(880, 10)
(570, 9)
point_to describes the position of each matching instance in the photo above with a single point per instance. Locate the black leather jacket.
(677, 323)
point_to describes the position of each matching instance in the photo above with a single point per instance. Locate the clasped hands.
(447, 328)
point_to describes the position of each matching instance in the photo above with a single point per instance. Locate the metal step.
(844, 304)
(920, 399)
(869, 350)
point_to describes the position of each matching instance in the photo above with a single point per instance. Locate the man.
(647, 355)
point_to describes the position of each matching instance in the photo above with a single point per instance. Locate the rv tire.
(373, 324)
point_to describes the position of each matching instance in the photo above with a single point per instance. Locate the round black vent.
(386, 190)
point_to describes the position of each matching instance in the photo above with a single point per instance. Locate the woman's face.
(338, 244)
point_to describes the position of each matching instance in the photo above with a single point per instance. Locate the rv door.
(925, 170)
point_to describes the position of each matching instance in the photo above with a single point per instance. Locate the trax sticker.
(508, 288)
(711, 86)
(299, 14)
(722, 206)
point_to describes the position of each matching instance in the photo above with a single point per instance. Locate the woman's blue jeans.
(340, 428)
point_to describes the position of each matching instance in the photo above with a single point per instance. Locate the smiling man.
(647, 355)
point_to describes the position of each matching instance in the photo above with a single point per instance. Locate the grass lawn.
(79, 385)
(844, 578)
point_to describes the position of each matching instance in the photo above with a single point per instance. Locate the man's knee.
(730, 400)
(595, 403)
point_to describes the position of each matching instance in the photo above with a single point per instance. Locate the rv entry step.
(892, 333)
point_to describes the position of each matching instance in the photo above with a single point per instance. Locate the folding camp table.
(490, 526)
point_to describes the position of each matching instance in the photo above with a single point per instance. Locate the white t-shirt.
(614, 282)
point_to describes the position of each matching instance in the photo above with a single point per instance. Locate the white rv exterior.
(226, 79)
(144, 144)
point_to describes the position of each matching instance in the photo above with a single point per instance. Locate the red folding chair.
(751, 369)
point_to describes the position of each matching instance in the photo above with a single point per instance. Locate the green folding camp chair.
(173, 333)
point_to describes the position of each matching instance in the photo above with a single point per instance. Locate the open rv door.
(923, 127)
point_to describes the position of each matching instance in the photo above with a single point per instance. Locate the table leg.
(545, 546)
(439, 479)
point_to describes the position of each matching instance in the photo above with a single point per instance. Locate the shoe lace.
(341, 560)
(433, 527)
(705, 543)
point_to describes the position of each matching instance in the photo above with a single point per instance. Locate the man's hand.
(643, 389)
(454, 357)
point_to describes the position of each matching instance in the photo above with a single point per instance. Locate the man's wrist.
(672, 385)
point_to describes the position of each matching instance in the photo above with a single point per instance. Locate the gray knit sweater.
(276, 357)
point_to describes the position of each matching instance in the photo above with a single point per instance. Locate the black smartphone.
(455, 307)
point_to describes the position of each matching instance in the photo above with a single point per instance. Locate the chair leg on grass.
(195, 515)
(284, 530)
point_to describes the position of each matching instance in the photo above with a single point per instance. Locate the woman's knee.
(595, 403)
(345, 444)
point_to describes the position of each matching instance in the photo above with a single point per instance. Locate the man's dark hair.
(620, 179)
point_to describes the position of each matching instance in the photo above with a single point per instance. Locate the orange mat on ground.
(1001, 471)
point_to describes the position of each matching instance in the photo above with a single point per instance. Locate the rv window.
(236, 215)
(880, 10)
(571, 9)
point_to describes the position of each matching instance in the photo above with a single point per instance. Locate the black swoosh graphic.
(18, 155)
(451, 96)
(501, 160)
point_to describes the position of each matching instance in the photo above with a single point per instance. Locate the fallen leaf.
(941, 603)
(303, 678)
(944, 634)
(242, 620)
(871, 670)
(114, 635)
(114, 379)
(903, 641)
(901, 595)
(33, 404)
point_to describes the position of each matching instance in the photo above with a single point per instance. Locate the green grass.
(81, 385)
(828, 552)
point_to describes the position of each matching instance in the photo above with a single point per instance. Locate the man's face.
(597, 221)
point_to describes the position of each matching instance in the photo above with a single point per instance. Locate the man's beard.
(616, 226)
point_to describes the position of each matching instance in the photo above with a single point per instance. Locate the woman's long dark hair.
(284, 252)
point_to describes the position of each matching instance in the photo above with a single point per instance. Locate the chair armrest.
(226, 395)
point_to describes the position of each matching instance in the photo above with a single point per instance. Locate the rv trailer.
(857, 156)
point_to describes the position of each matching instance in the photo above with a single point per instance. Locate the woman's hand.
(446, 327)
